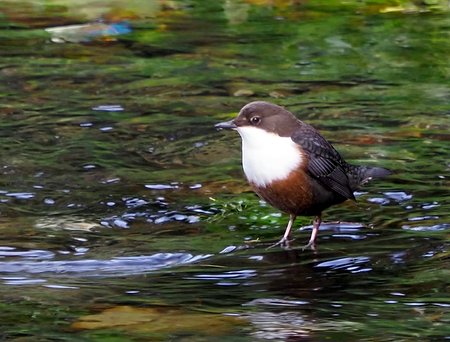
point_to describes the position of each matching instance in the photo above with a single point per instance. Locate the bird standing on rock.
(292, 167)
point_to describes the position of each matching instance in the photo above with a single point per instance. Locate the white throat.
(266, 156)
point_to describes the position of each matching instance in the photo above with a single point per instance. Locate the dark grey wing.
(325, 164)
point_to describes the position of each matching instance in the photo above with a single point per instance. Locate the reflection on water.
(118, 198)
(119, 266)
(353, 265)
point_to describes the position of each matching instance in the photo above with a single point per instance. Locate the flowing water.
(124, 216)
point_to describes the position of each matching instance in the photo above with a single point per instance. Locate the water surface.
(125, 216)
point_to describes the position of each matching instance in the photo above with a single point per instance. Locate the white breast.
(267, 156)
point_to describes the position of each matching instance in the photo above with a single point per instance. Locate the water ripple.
(230, 275)
(276, 302)
(435, 227)
(398, 196)
(354, 264)
(21, 195)
(8, 252)
(108, 108)
(119, 266)
(161, 186)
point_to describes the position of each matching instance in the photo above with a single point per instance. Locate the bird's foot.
(310, 244)
(284, 242)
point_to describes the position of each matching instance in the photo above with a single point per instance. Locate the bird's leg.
(285, 239)
(312, 240)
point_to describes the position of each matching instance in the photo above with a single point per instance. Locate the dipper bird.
(292, 167)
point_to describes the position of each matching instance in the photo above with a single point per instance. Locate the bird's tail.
(360, 175)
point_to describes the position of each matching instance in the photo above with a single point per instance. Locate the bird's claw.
(284, 242)
(310, 244)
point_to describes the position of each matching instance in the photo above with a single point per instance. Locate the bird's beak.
(226, 125)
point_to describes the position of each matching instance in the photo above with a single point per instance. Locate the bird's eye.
(255, 120)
